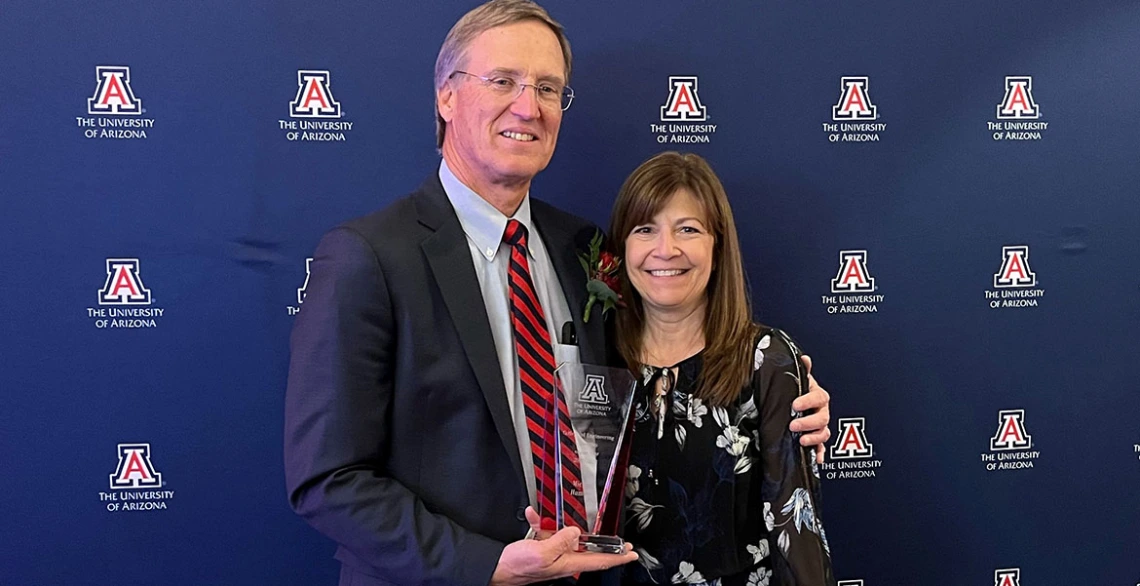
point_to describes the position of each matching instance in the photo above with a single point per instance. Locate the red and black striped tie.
(536, 377)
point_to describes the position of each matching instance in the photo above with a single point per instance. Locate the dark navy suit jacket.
(398, 441)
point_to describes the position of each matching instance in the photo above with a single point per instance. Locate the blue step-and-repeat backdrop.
(938, 199)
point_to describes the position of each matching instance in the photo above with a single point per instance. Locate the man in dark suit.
(406, 423)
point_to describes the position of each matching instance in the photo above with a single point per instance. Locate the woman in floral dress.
(718, 491)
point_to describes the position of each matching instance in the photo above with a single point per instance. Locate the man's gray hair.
(493, 14)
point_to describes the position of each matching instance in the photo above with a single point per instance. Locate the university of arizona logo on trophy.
(585, 446)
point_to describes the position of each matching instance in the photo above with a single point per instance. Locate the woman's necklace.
(662, 386)
(666, 379)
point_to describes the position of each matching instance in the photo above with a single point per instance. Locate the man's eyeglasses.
(549, 94)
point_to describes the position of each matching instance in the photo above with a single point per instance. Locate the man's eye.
(503, 82)
(548, 89)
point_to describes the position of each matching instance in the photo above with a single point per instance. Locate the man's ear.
(445, 101)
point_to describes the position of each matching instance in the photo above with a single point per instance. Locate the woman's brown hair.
(729, 330)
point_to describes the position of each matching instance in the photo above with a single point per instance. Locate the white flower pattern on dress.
(791, 526)
(686, 408)
(642, 512)
(720, 416)
(646, 374)
(680, 432)
(801, 510)
(800, 513)
(748, 412)
(646, 560)
(759, 551)
(760, 577)
(758, 355)
(732, 441)
(632, 484)
(687, 574)
(696, 410)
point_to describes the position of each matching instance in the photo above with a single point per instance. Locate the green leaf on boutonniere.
(600, 267)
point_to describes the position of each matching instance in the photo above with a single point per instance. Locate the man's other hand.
(814, 426)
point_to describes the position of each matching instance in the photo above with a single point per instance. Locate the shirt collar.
(482, 223)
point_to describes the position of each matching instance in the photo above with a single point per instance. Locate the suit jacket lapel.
(564, 247)
(450, 260)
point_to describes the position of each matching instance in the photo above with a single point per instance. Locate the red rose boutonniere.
(602, 273)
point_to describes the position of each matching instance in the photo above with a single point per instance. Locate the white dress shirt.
(484, 226)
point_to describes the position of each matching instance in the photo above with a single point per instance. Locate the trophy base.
(601, 543)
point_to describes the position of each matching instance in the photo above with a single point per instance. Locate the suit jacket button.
(521, 514)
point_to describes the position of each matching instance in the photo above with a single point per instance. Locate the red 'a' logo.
(1011, 433)
(683, 103)
(1007, 577)
(852, 441)
(135, 469)
(123, 286)
(314, 97)
(1015, 271)
(853, 275)
(1018, 102)
(113, 93)
(854, 103)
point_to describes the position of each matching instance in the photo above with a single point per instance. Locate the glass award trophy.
(587, 439)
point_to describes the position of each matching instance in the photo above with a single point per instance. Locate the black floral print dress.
(724, 496)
